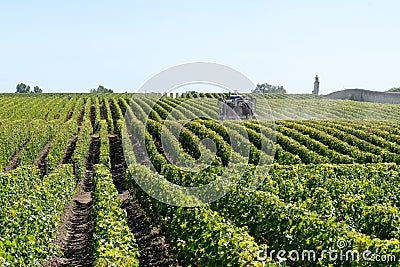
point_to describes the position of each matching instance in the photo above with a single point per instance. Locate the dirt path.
(152, 244)
(92, 115)
(81, 114)
(76, 226)
(69, 150)
(153, 247)
(69, 116)
(118, 165)
(102, 110)
(114, 114)
(141, 155)
(12, 164)
(39, 161)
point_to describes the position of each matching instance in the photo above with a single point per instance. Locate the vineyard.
(72, 168)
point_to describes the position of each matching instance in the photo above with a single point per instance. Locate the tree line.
(25, 89)
(101, 89)
(394, 89)
(266, 88)
(261, 88)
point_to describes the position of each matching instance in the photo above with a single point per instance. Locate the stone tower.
(316, 86)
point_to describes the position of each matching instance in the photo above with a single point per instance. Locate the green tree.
(394, 89)
(23, 88)
(37, 90)
(101, 89)
(269, 89)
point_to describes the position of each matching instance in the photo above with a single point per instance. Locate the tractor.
(236, 107)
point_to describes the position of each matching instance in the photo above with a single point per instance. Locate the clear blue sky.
(72, 46)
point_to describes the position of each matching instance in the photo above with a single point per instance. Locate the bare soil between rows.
(152, 244)
(74, 232)
(12, 164)
(75, 229)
